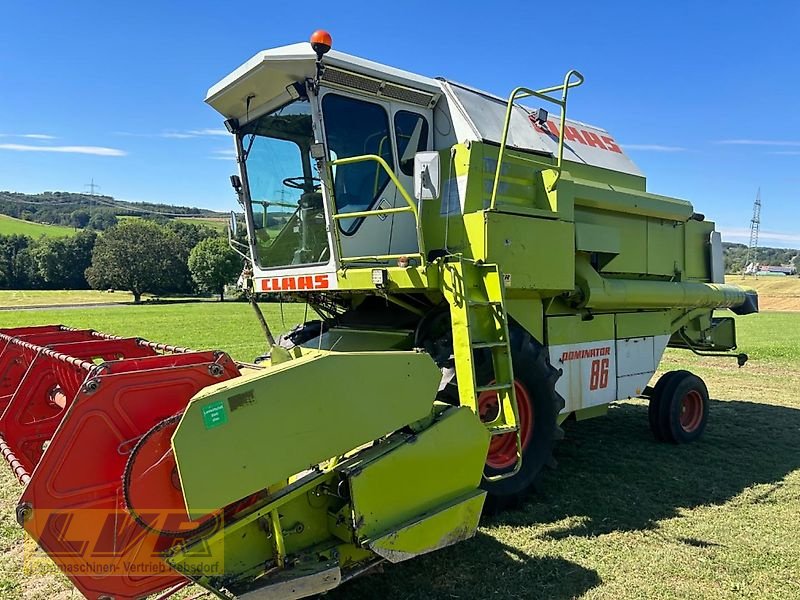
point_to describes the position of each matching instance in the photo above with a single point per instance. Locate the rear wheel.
(653, 409)
(681, 407)
(538, 405)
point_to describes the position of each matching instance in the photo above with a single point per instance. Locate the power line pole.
(755, 222)
(92, 187)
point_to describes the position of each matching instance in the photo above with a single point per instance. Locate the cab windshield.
(288, 219)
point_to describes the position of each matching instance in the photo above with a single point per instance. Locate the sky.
(702, 95)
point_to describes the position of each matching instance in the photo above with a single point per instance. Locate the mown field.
(622, 517)
(11, 226)
(24, 298)
(775, 293)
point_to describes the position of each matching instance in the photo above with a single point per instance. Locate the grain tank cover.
(484, 114)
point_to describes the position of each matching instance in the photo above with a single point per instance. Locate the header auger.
(482, 272)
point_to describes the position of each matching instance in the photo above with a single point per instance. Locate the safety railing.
(410, 207)
(523, 92)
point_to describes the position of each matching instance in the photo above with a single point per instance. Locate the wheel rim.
(691, 411)
(503, 448)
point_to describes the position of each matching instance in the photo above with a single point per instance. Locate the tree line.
(736, 256)
(136, 255)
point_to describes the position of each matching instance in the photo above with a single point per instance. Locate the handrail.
(411, 206)
(523, 92)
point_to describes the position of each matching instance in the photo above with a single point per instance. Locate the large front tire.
(539, 405)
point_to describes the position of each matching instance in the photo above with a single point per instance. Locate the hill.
(77, 210)
(11, 226)
(736, 254)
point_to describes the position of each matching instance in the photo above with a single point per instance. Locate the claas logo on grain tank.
(582, 136)
(587, 353)
(300, 282)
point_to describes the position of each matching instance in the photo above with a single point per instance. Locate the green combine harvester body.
(482, 271)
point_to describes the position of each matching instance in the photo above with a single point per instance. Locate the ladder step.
(502, 430)
(484, 303)
(495, 387)
(479, 345)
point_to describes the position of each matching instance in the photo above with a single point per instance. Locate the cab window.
(354, 128)
(411, 133)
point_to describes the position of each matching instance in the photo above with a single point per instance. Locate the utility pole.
(755, 222)
(92, 187)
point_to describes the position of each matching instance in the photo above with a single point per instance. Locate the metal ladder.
(475, 292)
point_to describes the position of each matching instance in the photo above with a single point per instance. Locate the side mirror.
(427, 176)
(233, 225)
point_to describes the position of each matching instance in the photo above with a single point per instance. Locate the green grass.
(11, 226)
(19, 298)
(229, 326)
(218, 223)
(622, 518)
(55, 298)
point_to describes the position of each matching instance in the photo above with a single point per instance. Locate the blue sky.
(703, 95)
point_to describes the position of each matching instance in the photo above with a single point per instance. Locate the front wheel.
(538, 407)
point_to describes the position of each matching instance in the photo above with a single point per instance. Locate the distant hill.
(77, 210)
(736, 255)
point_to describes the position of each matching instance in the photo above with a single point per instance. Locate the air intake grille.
(406, 94)
(362, 83)
(351, 80)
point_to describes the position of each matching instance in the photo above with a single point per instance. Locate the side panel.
(533, 253)
(586, 352)
(600, 367)
(637, 360)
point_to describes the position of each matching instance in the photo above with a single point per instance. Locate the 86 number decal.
(598, 376)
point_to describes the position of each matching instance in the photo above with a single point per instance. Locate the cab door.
(356, 126)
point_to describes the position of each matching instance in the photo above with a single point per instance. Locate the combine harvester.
(482, 271)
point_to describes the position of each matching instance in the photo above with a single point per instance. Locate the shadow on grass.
(480, 568)
(614, 476)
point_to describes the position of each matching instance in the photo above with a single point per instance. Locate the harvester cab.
(482, 271)
(326, 154)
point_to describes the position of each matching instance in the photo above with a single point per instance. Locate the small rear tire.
(654, 407)
(679, 408)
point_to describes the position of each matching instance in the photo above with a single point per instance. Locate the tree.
(102, 220)
(79, 218)
(135, 255)
(189, 235)
(213, 264)
(797, 264)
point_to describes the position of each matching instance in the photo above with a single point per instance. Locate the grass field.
(622, 518)
(218, 223)
(11, 226)
(19, 298)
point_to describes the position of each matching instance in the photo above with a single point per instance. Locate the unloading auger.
(526, 278)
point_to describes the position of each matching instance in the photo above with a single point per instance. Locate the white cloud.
(226, 154)
(765, 238)
(223, 132)
(94, 150)
(30, 136)
(177, 135)
(653, 148)
(758, 143)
